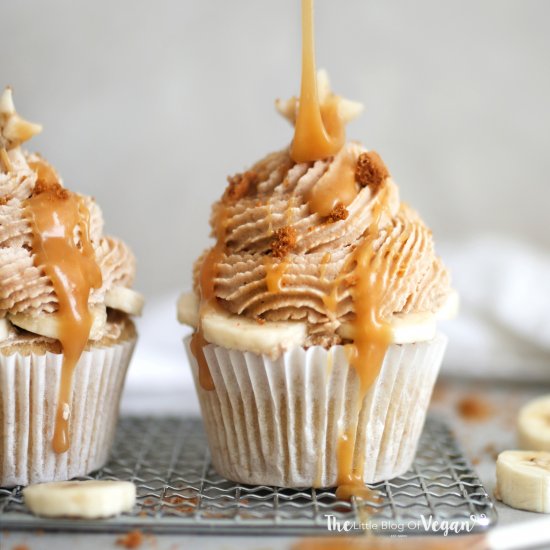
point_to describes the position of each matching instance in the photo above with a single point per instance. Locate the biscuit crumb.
(371, 170)
(239, 186)
(339, 212)
(53, 188)
(132, 539)
(284, 240)
(4, 200)
(474, 408)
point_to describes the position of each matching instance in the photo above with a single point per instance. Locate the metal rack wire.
(179, 491)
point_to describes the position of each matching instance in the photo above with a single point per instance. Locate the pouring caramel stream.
(319, 131)
(57, 217)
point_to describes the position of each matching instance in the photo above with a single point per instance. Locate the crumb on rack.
(132, 539)
(371, 170)
(53, 188)
(339, 212)
(240, 185)
(474, 408)
(284, 240)
(491, 450)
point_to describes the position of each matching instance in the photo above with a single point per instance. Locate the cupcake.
(66, 337)
(315, 347)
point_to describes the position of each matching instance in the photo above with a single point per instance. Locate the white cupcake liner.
(278, 422)
(28, 403)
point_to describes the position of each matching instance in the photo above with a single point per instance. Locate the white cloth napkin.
(503, 328)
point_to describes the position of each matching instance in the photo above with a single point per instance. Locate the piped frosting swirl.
(315, 273)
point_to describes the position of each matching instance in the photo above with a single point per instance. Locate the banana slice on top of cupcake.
(66, 334)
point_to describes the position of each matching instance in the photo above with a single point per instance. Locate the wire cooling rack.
(179, 491)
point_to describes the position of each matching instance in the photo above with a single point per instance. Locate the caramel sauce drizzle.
(5, 160)
(319, 132)
(371, 340)
(337, 185)
(57, 216)
(208, 274)
(274, 273)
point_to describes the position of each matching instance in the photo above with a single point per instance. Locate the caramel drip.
(319, 131)
(327, 256)
(336, 186)
(46, 175)
(372, 337)
(274, 273)
(208, 273)
(57, 216)
(5, 160)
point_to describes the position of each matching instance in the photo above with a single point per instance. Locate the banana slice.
(188, 309)
(125, 299)
(4, 329)
(523, 480)
(534, 425)
(48, 325)
(91, 499)
(239, 332)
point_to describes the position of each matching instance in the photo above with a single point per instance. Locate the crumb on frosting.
(371, 170)
(339, 212)
(4, 200)
(53, 188)
(284, 240)
(240, 185)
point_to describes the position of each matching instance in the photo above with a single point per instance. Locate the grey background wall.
(149, 105)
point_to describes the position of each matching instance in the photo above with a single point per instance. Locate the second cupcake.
(66, 337)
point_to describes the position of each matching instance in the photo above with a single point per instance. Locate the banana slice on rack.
(91, 499)
(125, 299)
(523, 480)
(534, 425)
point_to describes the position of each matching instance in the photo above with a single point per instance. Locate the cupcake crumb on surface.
(132, 539)
(370, 170)
(474, 408)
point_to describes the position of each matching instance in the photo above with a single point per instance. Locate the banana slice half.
(48, 325)
(80, 499)
(534, 425)
(523, 480)
(125, 299)
(4, 329)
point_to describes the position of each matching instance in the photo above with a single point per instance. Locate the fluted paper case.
(278, 422)
(28, 403)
